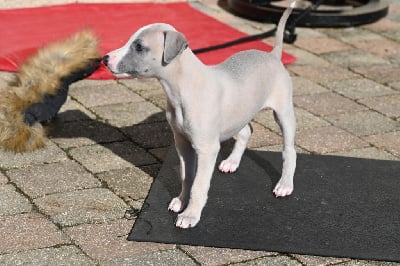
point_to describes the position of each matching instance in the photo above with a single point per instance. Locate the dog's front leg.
(206, 157)
(187, 158)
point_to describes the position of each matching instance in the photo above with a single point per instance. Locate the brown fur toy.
(40, 88)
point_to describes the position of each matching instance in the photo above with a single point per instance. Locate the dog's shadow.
(73, 128)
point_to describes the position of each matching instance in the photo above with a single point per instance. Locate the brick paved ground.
(64, 204)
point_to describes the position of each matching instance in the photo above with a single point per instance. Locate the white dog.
(210, 104)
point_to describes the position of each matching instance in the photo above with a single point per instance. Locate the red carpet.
(25, 30)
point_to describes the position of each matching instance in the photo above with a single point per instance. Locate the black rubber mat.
(341, 207)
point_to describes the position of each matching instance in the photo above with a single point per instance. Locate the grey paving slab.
(61, 256)
(262, 136)
(71, 110)
(151, 135)
(327, 104)
(389, 141)
(364, 123)
(381, 73)
(49, 154)
(209, 256)
(271, 261)
(108, 240)
(165, 258)
(82, 206)
(369, 263)
(118, 155)
(81, 133)
(360, 88)
(368, 153)
(12, 202)
(128, 114)
(321, 44)
(322, 73)
(27, 232)
(139, 85)
(303, 86)
(3, 179)
(328, 139)
(318, 261)
(94, 93)
(40, 180)
(129, 183)
(354, 58)
(388, 105)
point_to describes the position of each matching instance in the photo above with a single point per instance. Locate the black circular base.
(332, 13)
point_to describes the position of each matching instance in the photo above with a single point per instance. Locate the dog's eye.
(139, 47)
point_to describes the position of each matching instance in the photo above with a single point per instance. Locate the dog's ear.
(174, 44)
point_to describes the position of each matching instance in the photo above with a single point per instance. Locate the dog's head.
(149, 49)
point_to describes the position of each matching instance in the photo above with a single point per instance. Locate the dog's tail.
(277, 51)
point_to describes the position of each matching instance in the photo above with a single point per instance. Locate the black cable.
(289, 36)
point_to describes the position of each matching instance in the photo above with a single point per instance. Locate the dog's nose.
(105, 59)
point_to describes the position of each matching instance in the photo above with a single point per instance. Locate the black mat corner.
(341, 207)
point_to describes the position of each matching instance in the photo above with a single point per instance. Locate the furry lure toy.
(40, 88)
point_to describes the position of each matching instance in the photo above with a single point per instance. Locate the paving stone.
(40, 180)
(388, 141)
(94, 93)
(271, 261)
(152, 135)
(359, 88)
(84, 206)
(71, 110)
(106, 157)
(395, 85)
(353, 58)
(128, 114)
(130, 183)
(209, 256)
(369, 263)
(108, 241)
(368, 153)
(12, 202)
(3, 179)
(380, 47)
(49, 154)
(327, 104)
(388, 105)
(303, 86)
(328, 139)
(28, 231)
(262, 137)
(164, 258)
(383, 25)
(304, 120)
(60, 256)
(322, 74)
(81, 133)
(381, 73)
(139, 85)
(318, 261)
(320, 45)
(364, 123)
(352, 35)
(156, 97)
(304, 58)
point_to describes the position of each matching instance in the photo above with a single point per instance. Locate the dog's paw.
(186, 220)
(228, 166)
(175, 205)
(283, 189)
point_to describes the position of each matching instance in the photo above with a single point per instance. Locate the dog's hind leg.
(230, 164)
(286, 119)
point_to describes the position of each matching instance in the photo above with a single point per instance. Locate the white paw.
(283, 189)
(227, 166)
(186, 220)
(175, 205)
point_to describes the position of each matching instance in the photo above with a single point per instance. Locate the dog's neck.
(173, 87)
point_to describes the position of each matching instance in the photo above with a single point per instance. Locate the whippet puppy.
(210, 104)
